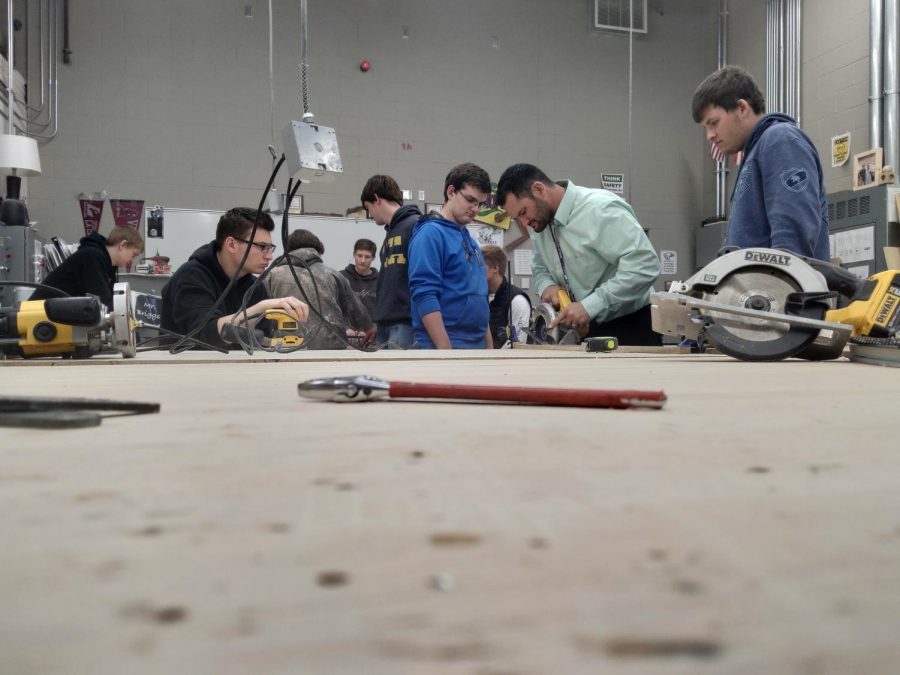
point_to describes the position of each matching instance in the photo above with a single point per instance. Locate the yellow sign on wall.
(840, 149)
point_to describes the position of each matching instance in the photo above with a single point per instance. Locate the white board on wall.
(185, 230)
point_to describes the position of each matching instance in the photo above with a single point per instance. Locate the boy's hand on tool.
(290, 305)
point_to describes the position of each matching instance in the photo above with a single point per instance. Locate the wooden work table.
(752, 526)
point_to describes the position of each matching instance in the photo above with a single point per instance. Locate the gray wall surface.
(835, 85)
(746, 48)
(168, 101)
(834, 71)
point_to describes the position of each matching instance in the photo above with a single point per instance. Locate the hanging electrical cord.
(247, 339)
(317, 307)
(341, 334)
(272, 85)
(182, 345)
(242, 324)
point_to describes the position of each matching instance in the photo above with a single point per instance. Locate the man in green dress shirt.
(588, 242)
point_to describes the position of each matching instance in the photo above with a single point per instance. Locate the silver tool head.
(122, 320)
(346, 388)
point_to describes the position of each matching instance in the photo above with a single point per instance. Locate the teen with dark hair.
(447, 282)
(383, 201)
(197, 284)
(779, 198)
(93, 268)
(362, 277)
(331, 294)
(586, 241)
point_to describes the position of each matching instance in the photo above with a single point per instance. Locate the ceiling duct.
(626, 16)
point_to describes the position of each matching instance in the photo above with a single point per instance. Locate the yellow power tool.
(76, 327)
(873, 309)
(768, 304)
(272, 331)
(545, 314)
(281, 331)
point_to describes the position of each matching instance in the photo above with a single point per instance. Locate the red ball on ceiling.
(364, 66)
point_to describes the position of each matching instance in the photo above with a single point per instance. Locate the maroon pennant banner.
(127, 212)
(91, 211)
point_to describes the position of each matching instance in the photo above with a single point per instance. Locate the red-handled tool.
(366, 388)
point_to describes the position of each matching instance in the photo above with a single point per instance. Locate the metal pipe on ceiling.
(49, 82)
(876, 58)
(42, 6)
(789, 61)
(798, 57)
(721, 167)
(891, 138)
(10, 84)
(52, 103)
(783, 52)
(45, 56)
(773, 69)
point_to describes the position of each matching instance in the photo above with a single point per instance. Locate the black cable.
(180, 346)
(170, 333)
(314, 307)
(342, 335)
(252, 342)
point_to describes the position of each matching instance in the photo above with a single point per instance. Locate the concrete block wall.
(746, 47)
(834, 71)
(168, 101)
(835, 84)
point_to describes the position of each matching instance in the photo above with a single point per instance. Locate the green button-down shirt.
(610, 263)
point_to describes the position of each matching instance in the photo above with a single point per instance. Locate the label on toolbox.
(887, 313)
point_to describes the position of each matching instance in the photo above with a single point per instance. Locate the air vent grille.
(616, 15)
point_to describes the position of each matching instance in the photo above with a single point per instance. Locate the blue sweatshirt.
(447, 275)
(779, 198)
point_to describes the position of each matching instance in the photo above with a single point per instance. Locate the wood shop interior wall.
(168, 101)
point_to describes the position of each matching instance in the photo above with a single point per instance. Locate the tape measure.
(601, 344)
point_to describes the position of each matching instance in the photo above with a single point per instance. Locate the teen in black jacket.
(92, 269)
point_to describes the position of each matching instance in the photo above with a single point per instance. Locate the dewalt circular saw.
(75, 327)
(545, 314)
(767, 305)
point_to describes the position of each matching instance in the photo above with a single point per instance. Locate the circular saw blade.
(754, 288)
(763, 289)
(543, 317)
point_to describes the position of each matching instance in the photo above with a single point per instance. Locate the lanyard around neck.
(562, 260)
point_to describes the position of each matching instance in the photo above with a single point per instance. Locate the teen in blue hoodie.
(447, 281)
(779, 198)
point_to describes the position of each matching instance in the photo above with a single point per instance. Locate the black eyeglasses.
(472, 200)
(263, 248)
